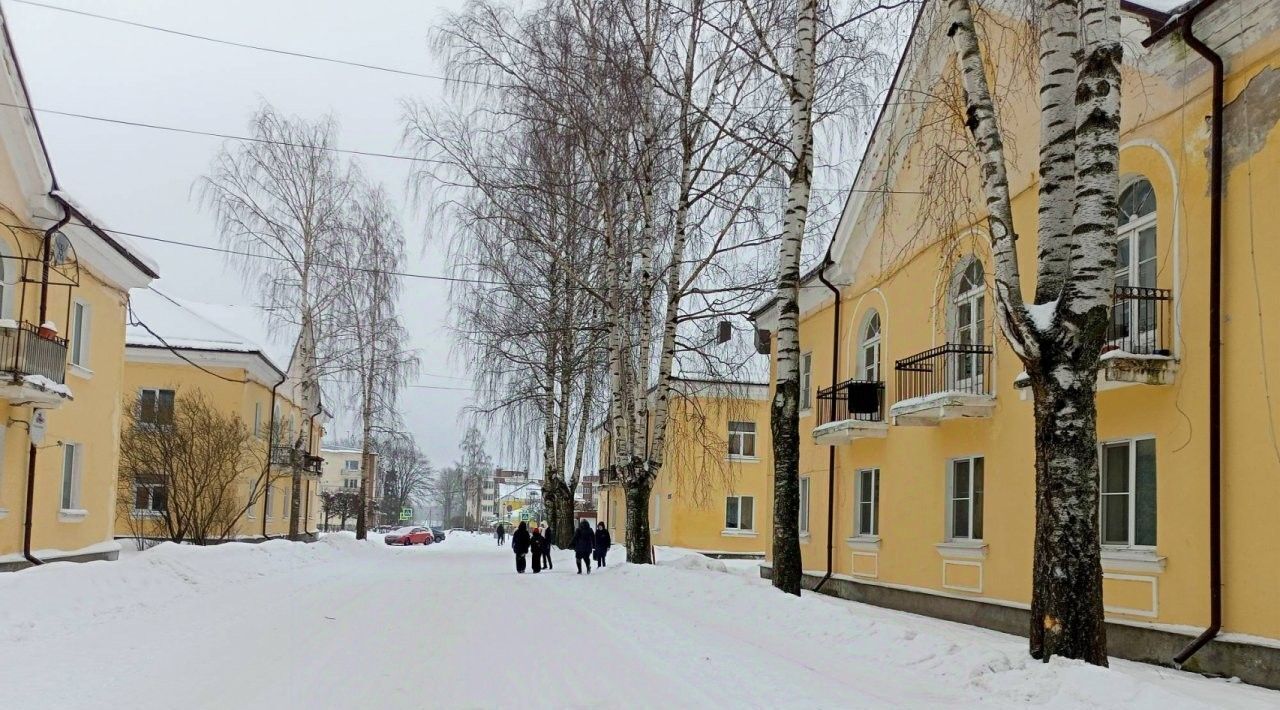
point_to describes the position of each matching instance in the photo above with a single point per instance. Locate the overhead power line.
(245, 45)
(353, 151)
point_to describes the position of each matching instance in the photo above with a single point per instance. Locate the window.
(867, 508)
(284, 504)
(804, 506)
(149, 496)
(806, 381)
(80, 334)
(71, 464)
(1135, 260)
(156, 407)
(964, 489)
(351, 483)
(657, 512)
(738, 513)
(268, 500)
(969, 324)
(742, 439)
(869, 353)
(353, 464)
(1128, 494)
(257, 419)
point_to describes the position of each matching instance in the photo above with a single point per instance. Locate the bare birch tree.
(821, 54)
(280, 201)
(368, 335)
(1059, 336)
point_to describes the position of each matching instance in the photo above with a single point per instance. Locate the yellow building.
(177, 346)
(933, 437)
(61, 352)
(714, 490)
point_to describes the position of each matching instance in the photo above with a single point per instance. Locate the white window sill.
(72, 515)
(744, 459)
(739, 533)
(804, 537)
(147, 514)
(80, 371)
(1132, 559)
(4, 513)
(963, 549)
(864, 543)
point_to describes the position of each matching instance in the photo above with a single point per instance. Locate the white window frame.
(1132, 272)
(351, 465)
(737, 502)
(970, 495)
(869, 353)
(80, 330)
(804, 490)
(268, 499)
(973, 301)
(806, 381)
(741, 437)
(70, 493)
(1132, 494)
(657, 512)
(8, 286)
(873, 530)
(157, 390)
(257, 419)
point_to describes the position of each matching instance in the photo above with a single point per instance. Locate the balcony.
(313, 465)
(1138, 343)
(853, 409)
(952, 381)
(35, 363)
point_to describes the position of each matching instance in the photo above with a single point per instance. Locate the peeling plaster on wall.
(1251, 117)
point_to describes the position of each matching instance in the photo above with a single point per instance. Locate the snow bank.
(981, 667)
(67, 595)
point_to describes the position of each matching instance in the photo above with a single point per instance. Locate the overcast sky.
(140, 180)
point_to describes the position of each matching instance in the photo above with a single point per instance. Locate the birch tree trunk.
(1080, 122)
(784, 419)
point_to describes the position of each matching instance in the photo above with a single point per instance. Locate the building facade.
(341, 470)
(63, 292)
(180, 349)
(924, 406)
(714, 491)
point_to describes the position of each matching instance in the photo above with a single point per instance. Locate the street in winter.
(622, 354)
(344, 624)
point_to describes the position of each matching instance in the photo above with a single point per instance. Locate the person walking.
(520, 545)
(584, 542)
(539, 545)
(501, 534)
(602, 544)
(549, 536)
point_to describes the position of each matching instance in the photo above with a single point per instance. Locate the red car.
(409, 536)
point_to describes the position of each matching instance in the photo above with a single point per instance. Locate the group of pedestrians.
(587, 545)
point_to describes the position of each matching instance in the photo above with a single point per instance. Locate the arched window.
(1135, 262)
(968, 307)
(869, 352)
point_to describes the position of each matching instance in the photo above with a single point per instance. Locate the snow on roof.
(126, 243)
(1166, 6)
(198, 326)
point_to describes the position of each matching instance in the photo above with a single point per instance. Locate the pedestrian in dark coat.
(584, 541)
(520, 545)
(547, 538)
(501, 534)
(602, 544)
(538, 543)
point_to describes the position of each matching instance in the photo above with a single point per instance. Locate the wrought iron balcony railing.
(862, 400)
(954, 367)
(1140, 320)
(24, 351)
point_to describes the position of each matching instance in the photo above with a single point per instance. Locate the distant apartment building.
(341, 471)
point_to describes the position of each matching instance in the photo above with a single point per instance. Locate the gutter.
(831, 450)
(1184, 24)
(29, 509)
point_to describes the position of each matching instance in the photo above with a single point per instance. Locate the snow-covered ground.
(340, 624)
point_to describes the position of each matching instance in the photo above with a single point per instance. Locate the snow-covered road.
(343, 625)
